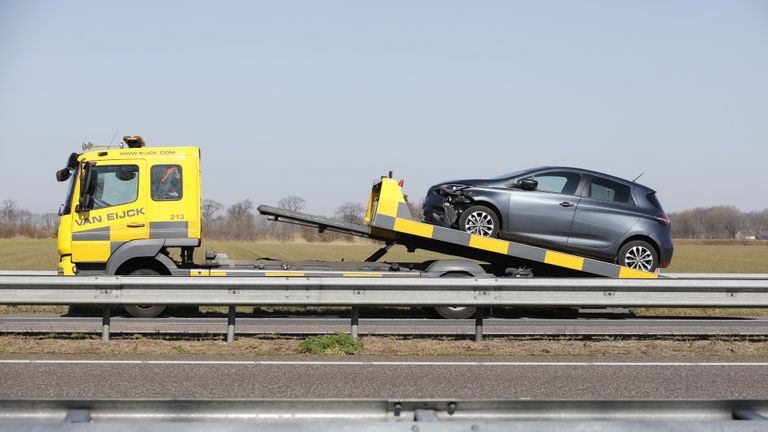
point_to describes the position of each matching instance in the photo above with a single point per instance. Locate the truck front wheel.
(144, 311)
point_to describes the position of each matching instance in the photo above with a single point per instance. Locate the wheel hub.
(479, 223)
(639, 258)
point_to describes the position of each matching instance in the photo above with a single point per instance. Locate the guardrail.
(381, 415)
(109, 291)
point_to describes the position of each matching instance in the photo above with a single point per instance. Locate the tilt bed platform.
(388, 219)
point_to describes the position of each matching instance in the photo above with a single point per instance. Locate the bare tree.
(292, 203)
(209, 208)
(9, 212)
(240, 220)
(350, 212)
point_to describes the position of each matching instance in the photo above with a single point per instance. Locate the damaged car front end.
(444, 203)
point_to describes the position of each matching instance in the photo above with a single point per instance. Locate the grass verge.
(382, 346)
(339, 343)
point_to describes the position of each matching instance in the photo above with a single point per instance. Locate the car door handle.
(566, 204)
(135, 225)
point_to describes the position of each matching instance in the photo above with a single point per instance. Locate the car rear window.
(607, 190)
(655, 201)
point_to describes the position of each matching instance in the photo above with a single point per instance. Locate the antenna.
(114, 136)
(641, 174)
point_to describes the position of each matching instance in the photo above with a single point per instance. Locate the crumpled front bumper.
(437, 211)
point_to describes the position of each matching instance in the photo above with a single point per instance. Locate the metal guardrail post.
(106, 312)
(353, 331)
(231, 325)
(479, 315)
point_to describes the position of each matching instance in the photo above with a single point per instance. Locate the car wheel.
(639, 255)
(144, 311)
(479, 220)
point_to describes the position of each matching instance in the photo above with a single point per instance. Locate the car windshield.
(514, 174)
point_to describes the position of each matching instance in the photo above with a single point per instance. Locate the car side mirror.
(528, 184)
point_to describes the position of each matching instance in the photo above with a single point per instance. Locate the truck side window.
(166, 182)
(115, 185)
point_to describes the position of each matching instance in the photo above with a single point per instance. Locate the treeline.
(240, 221)
(18, 222)
(721, 222)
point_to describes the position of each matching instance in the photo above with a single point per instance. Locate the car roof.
(586, 171)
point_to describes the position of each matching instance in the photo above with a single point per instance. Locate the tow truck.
(136, 210)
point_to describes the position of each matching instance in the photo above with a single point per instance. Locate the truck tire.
(479, 220)
(456, 312)
(144, 311)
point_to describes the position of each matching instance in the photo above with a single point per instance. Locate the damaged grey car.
(568, 209)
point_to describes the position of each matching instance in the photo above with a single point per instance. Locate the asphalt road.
(39, 323)
(393, 378)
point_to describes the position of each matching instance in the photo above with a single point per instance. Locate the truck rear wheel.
(144, 311)
(456, 312)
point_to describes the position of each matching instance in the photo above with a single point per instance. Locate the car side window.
(558, 182)
(608, 190)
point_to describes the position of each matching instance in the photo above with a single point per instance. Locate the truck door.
(113, 211)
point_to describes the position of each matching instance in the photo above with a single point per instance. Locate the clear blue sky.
(318, 98)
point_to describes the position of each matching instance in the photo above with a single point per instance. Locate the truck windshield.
(66, 208)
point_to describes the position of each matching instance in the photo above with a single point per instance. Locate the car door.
(544, 215)
(605, 213)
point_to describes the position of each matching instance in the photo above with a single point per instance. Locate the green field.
(41, 254)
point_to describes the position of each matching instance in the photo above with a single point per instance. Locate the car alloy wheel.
(639, 258)
(480, 223)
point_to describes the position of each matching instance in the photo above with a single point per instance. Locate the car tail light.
(662, 219)
(401, 182)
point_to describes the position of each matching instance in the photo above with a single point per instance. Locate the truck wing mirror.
(63, 174)
(85, 202)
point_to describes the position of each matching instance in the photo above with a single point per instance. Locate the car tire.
(479, 220)
(639, 255)
(144, 311)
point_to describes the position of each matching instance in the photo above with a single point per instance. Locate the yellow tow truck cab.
(126, 206)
